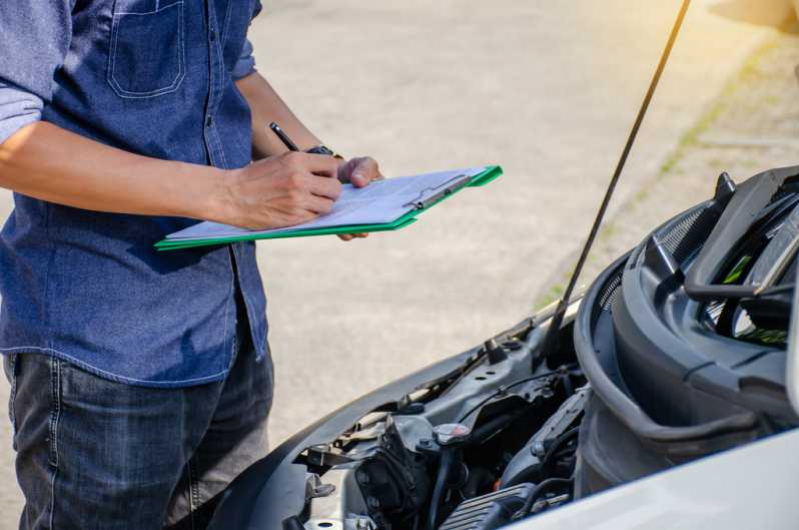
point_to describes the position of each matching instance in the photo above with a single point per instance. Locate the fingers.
(281, 191)
(350, 237)
(317, 205)
(324, 187)
(318, 173)
(321, 165)
(365, 170)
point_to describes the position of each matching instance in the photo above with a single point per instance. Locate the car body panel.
(753, 486)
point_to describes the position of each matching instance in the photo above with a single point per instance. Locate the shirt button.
(209, 121)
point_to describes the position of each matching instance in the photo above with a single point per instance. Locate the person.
(141, 381)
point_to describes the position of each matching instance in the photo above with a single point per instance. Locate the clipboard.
(427, 199)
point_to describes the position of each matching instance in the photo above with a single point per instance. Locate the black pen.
(283, 137)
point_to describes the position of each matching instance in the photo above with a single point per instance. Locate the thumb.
(365, 171)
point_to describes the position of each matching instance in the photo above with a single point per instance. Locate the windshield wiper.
(775, 258)
(739, 216)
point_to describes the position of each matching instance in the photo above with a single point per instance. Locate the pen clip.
(421, 202)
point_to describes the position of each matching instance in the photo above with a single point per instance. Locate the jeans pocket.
(147, 56)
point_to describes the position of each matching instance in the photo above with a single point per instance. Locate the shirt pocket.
(147, 57)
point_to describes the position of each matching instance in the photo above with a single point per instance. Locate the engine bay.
(492, 446)
(649, 372)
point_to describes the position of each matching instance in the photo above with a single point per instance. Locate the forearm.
(267, 106)
(46, 162)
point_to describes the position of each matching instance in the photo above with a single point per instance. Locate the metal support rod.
(551, 340)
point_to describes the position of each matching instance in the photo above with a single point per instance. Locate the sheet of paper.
(381, 202)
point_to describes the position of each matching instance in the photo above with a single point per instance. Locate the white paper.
(380, 202)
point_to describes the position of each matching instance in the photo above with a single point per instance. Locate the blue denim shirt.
(153, 77)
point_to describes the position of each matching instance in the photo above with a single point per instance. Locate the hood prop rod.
(552, 339)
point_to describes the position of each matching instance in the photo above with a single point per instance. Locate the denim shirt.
(157, 78)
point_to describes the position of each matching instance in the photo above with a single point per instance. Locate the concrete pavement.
(547, 89)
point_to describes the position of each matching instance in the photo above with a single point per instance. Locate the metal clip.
(451, 186)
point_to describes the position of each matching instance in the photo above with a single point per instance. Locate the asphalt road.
(548, 89)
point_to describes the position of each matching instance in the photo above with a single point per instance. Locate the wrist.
(210, 199)
(221, 204)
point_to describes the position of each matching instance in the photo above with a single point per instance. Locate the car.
(674, 373)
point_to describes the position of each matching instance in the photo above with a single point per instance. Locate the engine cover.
(489, 511)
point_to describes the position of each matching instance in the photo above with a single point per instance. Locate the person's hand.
(359, 172)
(280, 191)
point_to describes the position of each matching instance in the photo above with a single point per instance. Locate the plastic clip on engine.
(495, 352)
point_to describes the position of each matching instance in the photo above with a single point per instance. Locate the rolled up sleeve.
(246, 63)
(34, 39)
(18, 108)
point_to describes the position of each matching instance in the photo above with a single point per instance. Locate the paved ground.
(548, 89)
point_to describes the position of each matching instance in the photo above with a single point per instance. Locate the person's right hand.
(280, 191)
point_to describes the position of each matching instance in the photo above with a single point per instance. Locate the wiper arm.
(779, 289)
(739, 215)
(777, 255)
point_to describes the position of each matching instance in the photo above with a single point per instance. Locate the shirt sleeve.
(246, 63)
(37, 36)
(18, 108)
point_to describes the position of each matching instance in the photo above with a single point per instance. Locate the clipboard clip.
(447, 188)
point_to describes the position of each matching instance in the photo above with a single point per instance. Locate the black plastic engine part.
(527, 464)
(610, 454)
(668, 387)
(489, 511)
(394, 481)
(495, 352)
(770, 312)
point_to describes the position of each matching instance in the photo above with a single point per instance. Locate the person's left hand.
(359, 172)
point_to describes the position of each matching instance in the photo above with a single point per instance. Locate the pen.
(283, 137)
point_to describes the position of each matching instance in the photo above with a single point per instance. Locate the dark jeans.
(95, 454)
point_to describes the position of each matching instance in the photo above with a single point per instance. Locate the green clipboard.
(481, 179)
